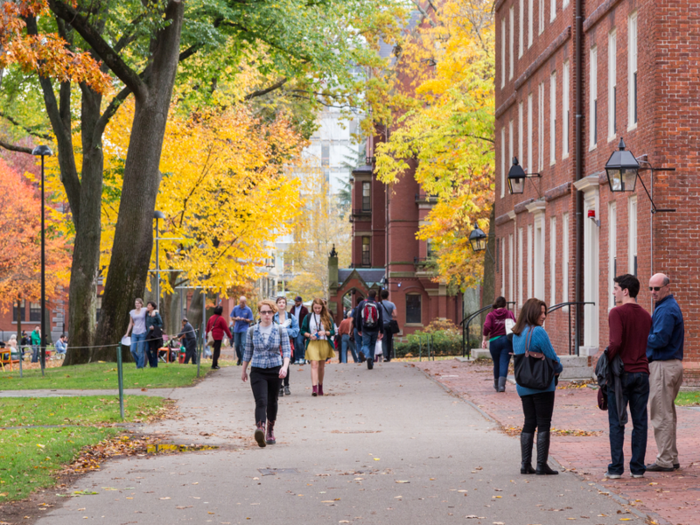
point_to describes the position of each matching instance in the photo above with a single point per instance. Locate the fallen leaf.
(167, 497)
(183, 507)
(402, 481)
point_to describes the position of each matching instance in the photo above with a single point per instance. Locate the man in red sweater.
(629, 330)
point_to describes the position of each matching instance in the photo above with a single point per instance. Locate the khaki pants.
(664, 383)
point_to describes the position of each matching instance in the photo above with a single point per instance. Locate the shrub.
(444, 337)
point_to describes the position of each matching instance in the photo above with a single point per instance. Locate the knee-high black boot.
(526, 442)
(542, 455)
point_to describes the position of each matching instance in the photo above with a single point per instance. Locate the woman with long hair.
(137, 329)
(218, 327)
(496, 341)
(538, 405)
(318, 328)
(289, 323)
(267, 350)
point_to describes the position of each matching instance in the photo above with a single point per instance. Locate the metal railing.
(562, 305)
(466, 341)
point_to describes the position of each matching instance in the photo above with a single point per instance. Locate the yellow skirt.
(319, 351)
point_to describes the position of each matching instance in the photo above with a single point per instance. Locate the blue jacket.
(539, 343)
(293, 328)
(667, 331)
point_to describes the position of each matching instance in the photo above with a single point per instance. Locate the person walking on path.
(137, 329)
(318, 329)
(242, 315)
(267, 350)
(154, 331)
(35, 337)
(299, 312)
(188, 334)
(538, 405)
(389, 313)
(665, 354)
(369, 322)
(218, 327)
(629, 326)
(289, 323)
(345, 331)
(497, 343)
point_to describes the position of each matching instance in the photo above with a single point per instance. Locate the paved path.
(675, 497)
(386, 446)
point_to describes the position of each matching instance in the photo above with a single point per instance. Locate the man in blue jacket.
(665, 354)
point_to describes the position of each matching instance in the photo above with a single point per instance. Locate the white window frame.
(565, 259)
(566, 110)
(510, 142)
(520, 134)
(503, 53)
(593, 100)
(521, 29)
(540, 17)
(538, 257)
(503, 266)
(529, 261)
(553, 118)
(553, 14)
(553, 261)
(521, 257)
(612, 251)
(530, 22)
(511, 268)
(632, 72)
(632, 234)
(511, 41)
(503, 161)
(540, 127)
(564, 4)
(612, 85)
(530, 167)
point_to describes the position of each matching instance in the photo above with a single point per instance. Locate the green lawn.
(101, 375)
(688, 399)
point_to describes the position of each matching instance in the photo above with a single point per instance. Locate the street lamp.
(622, 169)
(517, 176)
(157, 215)
(478, 239)
(43, 151)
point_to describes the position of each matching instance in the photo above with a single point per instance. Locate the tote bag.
(533, 369)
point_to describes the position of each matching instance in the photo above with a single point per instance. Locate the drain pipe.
(578, 164)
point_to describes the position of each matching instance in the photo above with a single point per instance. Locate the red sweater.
(217, 326)
(629, 330)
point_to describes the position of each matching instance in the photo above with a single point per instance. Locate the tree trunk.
(133, 236)
(488, 294)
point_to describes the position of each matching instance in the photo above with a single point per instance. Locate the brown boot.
(260, 434)
(270, 436)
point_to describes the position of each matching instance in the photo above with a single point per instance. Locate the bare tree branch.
(12, 147)
(261, 92)
(25, 128)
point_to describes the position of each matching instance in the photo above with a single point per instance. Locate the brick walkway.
(582, 445)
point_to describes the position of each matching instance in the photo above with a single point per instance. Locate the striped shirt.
(263, 353)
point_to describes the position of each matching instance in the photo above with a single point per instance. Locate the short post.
(198, 354)
(420, 348)
(120, 379)
(21, 358)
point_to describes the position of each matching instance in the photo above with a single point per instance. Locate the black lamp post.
(43, 151)
(517, 176)
(478, 239)
(622, 169)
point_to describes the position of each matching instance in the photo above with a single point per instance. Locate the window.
(529, 261)
(632, 71)
(594, 96)
(34, 312)
(530, 164)
(566, 110)
(632, 232)
(539, 258)
(503, 162)
(520, 134)
(540, 127)
(530, 21)
(521, 284)
(325, 155)
(553, 14)
(510, 143)
(540, 16)
(521, 23)
(612, 85)
(366, 196)
(565, 4)
(511, 39)
(366, 254)
(565, 258)
(553, 261)
(413, 309)
(612, 251)
(553, 118)
(18, 314)
(503, 267)
(511, 269)
(503, 53)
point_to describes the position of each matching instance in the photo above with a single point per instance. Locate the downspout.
(578, 164)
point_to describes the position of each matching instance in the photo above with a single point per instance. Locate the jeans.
(369, 341)
(217, 353)
(191, 351)
(138, 349)
(239, 345)
(35, 353)
(500, 353)
(344, 343)
(635, 391)
(265, 383)
(299, 344)
(388, 343)
(153, 347)
(538, 410)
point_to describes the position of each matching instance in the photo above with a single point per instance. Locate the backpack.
(369, 316)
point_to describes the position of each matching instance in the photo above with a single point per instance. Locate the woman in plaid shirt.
(262, 349)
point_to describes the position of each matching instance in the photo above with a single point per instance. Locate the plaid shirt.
(261, 355)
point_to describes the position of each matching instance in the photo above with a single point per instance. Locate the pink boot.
(315, 391)
(320, 389)
(260, 434)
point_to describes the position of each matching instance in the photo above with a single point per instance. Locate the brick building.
(628, 69)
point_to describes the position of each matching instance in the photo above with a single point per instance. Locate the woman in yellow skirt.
(318, 328)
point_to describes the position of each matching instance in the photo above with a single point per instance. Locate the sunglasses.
(655, 288)
(266, 312)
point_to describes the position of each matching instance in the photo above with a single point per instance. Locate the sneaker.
(287, 392)
(281, 392)
(612, 476)
(637, 476)
(657, 468)
(362, 357)
(217, 367)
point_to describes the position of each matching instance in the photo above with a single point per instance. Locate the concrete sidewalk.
(584, 447)
(385, 446)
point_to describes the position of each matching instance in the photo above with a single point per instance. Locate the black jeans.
(153, 346)
(635, 391)
(191, 351)
(388, 343)
(265, 383)
(538, 410)
(217, 353)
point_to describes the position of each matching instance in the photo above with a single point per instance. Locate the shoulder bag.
(210, 335)
(533, 369)
(393, 324)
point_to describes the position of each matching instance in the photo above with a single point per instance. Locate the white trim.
(612, 83)
(566, 110)
(565, 259)
(529, 261)
(612, 251)
(521, 284)
(511, 41)
(632, 234)
(530, 22)
(593, 97)
(538, 258)
(553, 261)
(553, 118)
(529, 167)
(632, 68)
(503, 53)
(540, 127)
(503, 266)
(591, 269)
(553, 13)
(536, 207)
(510, 142)
(587, 183)
(540, 17)
(511, 215)
(511, 268)
(520, 134)
(521, 28)
(503, 162)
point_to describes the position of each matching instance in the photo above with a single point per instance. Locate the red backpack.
(370, 315)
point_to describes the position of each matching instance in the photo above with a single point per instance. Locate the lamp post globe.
(478, 239)
(622, 169)
(516, 178)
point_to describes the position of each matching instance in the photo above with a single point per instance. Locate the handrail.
(569, 303)
(465, 329)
